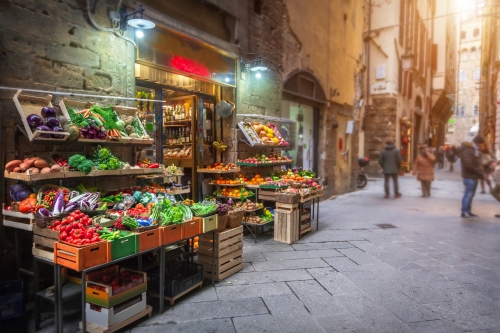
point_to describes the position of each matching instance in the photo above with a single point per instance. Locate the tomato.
(95, 238)
(71, 218)
(64, 228)
(86, 241)
(9, 208)
(81, 226)
(63, 235)
(77, 211)
(69, 239)
(139, 206)
(85, 219)
(74, 225)
(65, 222)
(89, 234)
(56, 223)
(78, 242)
(73, 215)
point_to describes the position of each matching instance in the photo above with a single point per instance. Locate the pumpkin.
(27, 205)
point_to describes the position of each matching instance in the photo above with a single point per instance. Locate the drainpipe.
(368, 39)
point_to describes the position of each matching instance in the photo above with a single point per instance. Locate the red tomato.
(69, 239)
(63, 235)
(56, 223)
(70, 218)
(74, 225)
(81, 226)
(65, 222)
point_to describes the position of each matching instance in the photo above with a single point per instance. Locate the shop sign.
(180, 54)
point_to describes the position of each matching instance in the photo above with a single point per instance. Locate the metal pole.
(58, 299)
(162, 279)
(213, 258)
(84, 319)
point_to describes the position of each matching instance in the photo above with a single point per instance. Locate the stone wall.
(380, 124)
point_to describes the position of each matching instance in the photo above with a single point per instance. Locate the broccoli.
(75, 160)
(114, 163)
(102, 166)
(86, 166)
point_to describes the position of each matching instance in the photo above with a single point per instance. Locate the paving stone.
(253, 257)
(462, 317)
(289, 264)
(343, 264)
(322, 246)
(316, 299)
(488, 290)
(366, 246)
(267, 277)
(430, 278)
(285, 306)
(342, 323)
(215, 325)
(310, 254)
(334, 282)
(372, 314)
(447, 259)
(247, 267)
(266, 248)
(406, 309)
(234, 292)
(210, 310)
(206, 294)
(435, 326)
(427, 295)
(382, 269)
(359, 256)
(299, 324)
(475, 301)
(255, 324)
(331, 235)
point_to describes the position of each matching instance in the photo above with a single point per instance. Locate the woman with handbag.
(423, 167)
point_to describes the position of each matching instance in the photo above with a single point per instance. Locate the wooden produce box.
(267, 195)
(286, 226)
(109, 297)
(27, 105)
(132, 111)
(108, 317)
(148, 239)
(209, 223)
(171, 233)
(43, 242)
(228, 253)
(43, 251)
(80, 258)
(192, 228)
(123, 246)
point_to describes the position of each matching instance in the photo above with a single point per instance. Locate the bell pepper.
(154, 166)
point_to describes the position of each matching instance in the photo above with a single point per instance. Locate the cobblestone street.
(433, 272)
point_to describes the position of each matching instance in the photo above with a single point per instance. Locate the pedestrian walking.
(440, 157)
(471, 172)
(451, 156)
(390, 161)
(487, 158)
(423, 167)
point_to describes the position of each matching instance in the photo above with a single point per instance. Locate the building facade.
(398, 100)
(462, 126)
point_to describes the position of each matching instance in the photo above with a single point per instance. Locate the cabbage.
(19, 192)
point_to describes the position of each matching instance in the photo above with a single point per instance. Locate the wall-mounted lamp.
(407, 60)
(139, 23)
(226, 79)
(255, 66)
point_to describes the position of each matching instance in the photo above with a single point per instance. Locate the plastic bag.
(127, 202)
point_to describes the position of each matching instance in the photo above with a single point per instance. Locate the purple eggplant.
(34, 121)
(52, 122)
(57, 136)
(48, 112)
(44, 212)
(43, 128)
(58, 206)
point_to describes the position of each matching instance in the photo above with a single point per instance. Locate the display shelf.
(20, 215)
(18, 223)
(261, 145)
(264, 117)
(228, 185)
(218, 171)
(257, 224)
(234, 198)
(187, 191)
(262, 164)
(273, 187)
(253, 210)
(69, 289)
(177, 144)
(255, 187)
(78, 174)
(173, 122)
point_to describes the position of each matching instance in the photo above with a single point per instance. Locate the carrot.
(82, 111)
(98, 116)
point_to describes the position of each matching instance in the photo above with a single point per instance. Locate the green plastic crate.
(124, 246)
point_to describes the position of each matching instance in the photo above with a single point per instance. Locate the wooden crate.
(94, 328)
(286, 206)
(43, 252)
(27, 105)
(18, 223)
(192, 227)
(286, 226)
(132, 111)
(80, 258)
(228, 253)
(148, 239)
(171, 234)
(209, 223)
(267, 195)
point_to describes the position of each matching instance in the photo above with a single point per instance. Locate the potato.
(55, 168)
(28, 159)
(12, 165)
(40, 164)
(24, 166)
(32, 171)
(45, 170)
(18, 169)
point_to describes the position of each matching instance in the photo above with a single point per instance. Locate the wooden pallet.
(228, 253)
(286, 206)
(94, 328)
(286, 226)
(306, 230)
(171, 300)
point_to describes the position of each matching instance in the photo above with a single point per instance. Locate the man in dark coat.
(390, 161)
(472, 170)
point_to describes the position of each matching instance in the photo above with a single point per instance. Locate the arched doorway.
(303, 101)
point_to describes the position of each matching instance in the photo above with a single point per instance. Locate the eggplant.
(48, 112)
(44, 212)
(34, 121)
(43, 128)
(57, 136)
(52, 122)
(58, 206)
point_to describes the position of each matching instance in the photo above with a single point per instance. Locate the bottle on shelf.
(189, 136)
(183, 113)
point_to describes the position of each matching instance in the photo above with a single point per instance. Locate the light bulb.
(258, 75)
(139, 33)
(226, 79)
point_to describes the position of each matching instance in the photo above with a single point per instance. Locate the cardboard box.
(108, 317)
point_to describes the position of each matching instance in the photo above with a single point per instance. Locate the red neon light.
(189, 66)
